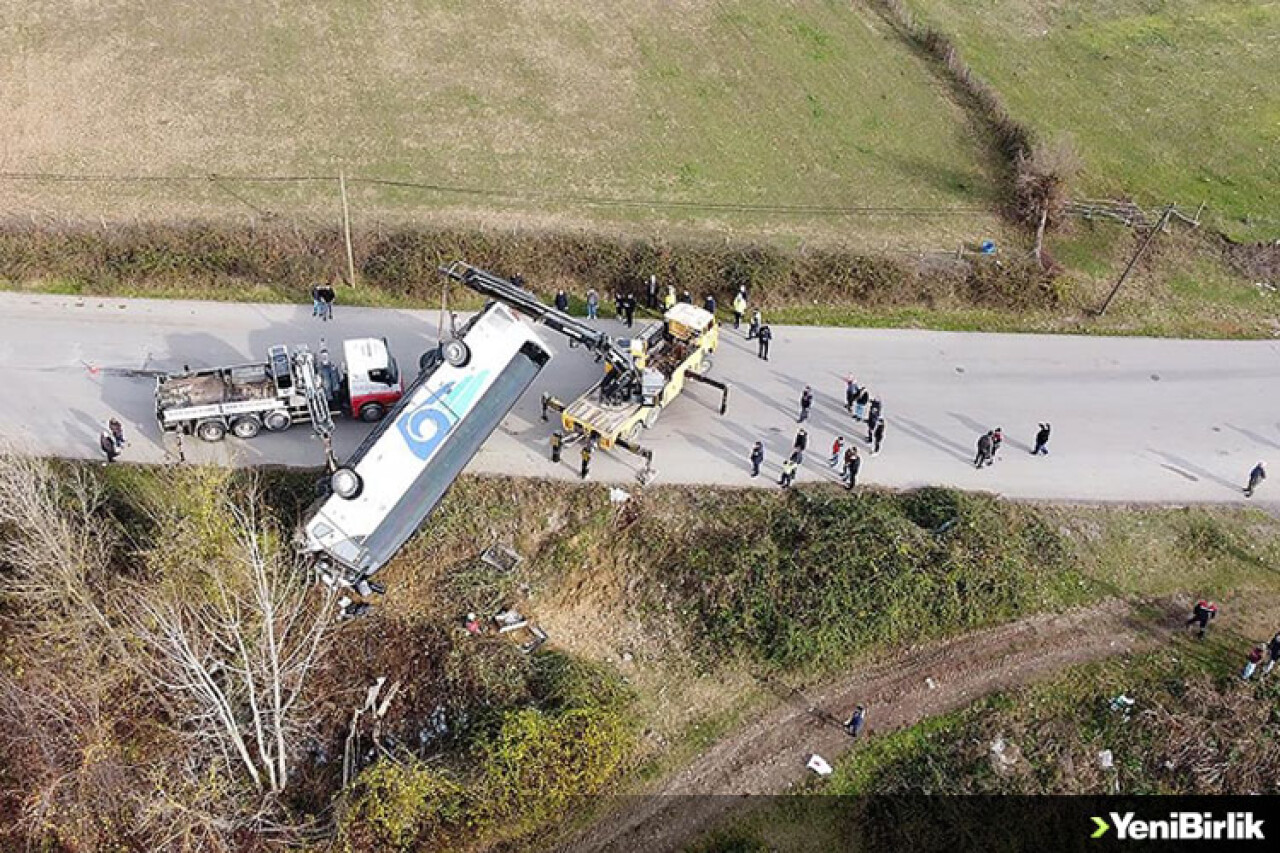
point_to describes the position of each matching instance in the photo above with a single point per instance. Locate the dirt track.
(768, 756)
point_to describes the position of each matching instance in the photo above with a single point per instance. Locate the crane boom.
(625, 377)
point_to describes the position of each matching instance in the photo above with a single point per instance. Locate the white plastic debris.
(1106, 760)
(819, 765)
(618, 496)
(931, 684)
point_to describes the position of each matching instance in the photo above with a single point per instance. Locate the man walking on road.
(806, 403)
(984, 450)
(586, 459)
(765, 335)
(852, 462)
(1256, 476)
(877, 436)
(789, 471)
(836, 450)
(739, 307)
(798, 448)
(873, 417)
(756, 322)
(757, 458)
(997, 439)
(108, 444)
(557, 442)
(1042, 441)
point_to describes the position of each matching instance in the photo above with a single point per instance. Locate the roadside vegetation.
(123, 584)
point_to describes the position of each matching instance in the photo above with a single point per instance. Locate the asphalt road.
(1134, 419)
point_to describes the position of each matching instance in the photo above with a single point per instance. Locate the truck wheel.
(651, 417)
(246, 427)
(211, 430)
(346, 483)
(371, 412)
(277, 421)
(456, 352)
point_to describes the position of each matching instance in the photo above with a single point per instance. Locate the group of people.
(1205, 611)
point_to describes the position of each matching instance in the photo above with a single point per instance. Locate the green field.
(676, 108)
(1166, 100)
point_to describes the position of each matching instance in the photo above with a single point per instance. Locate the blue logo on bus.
(431, 422)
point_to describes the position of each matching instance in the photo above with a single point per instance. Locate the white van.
(404, 467)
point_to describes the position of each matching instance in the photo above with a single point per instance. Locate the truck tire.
(277, 421)
(372, 412)
(246, 426)
(346, 484)
(211, 430)
(651, 417)
(455, 352)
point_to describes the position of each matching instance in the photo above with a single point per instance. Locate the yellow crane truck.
(642, 375)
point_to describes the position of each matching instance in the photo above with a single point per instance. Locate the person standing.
(586, 459)
(997, 439)
(873, 418)
(852, 463)
(593, 304)
(851, 390)
(836, 449)
(651, 294)
(984, 450)
(860, 405)
(765, 335)
(739, 307)
(686, 297)
(108, 444)
(117, 433)
(799, 446)
(669, 298)
(557, 442)
(754, 329)
(710, 304)
(562, 301)
(856, 721)
(757, 458)
(327, 297)
(788, 472)
(629, 309)
(317, 307)
(1256, 476)
(1042, 441)
(1251, 663)
(806, 403)
(1273, 653)
(877, 436)
(1202, 614)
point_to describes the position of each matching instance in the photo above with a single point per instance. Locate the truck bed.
(607, 420)
(207, 389)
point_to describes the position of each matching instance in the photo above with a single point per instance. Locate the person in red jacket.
(1202, 614)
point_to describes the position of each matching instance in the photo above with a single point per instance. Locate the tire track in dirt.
(768, 756)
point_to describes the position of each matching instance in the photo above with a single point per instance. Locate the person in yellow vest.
(669, 298)
(739, 308)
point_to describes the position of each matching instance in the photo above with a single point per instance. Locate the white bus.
(404, 467)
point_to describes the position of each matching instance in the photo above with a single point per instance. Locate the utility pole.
(346, 229)
(1133, 262)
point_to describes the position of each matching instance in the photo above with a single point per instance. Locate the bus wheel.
(346, 483)
(456, 352)
(211, 430)
(277, 421)
(246, 427)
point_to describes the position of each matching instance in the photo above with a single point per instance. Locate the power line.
(514, 195)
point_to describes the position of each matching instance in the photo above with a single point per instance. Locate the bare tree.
(1041, 187)
(236, 660)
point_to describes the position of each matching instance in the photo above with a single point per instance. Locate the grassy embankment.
(660, 614)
